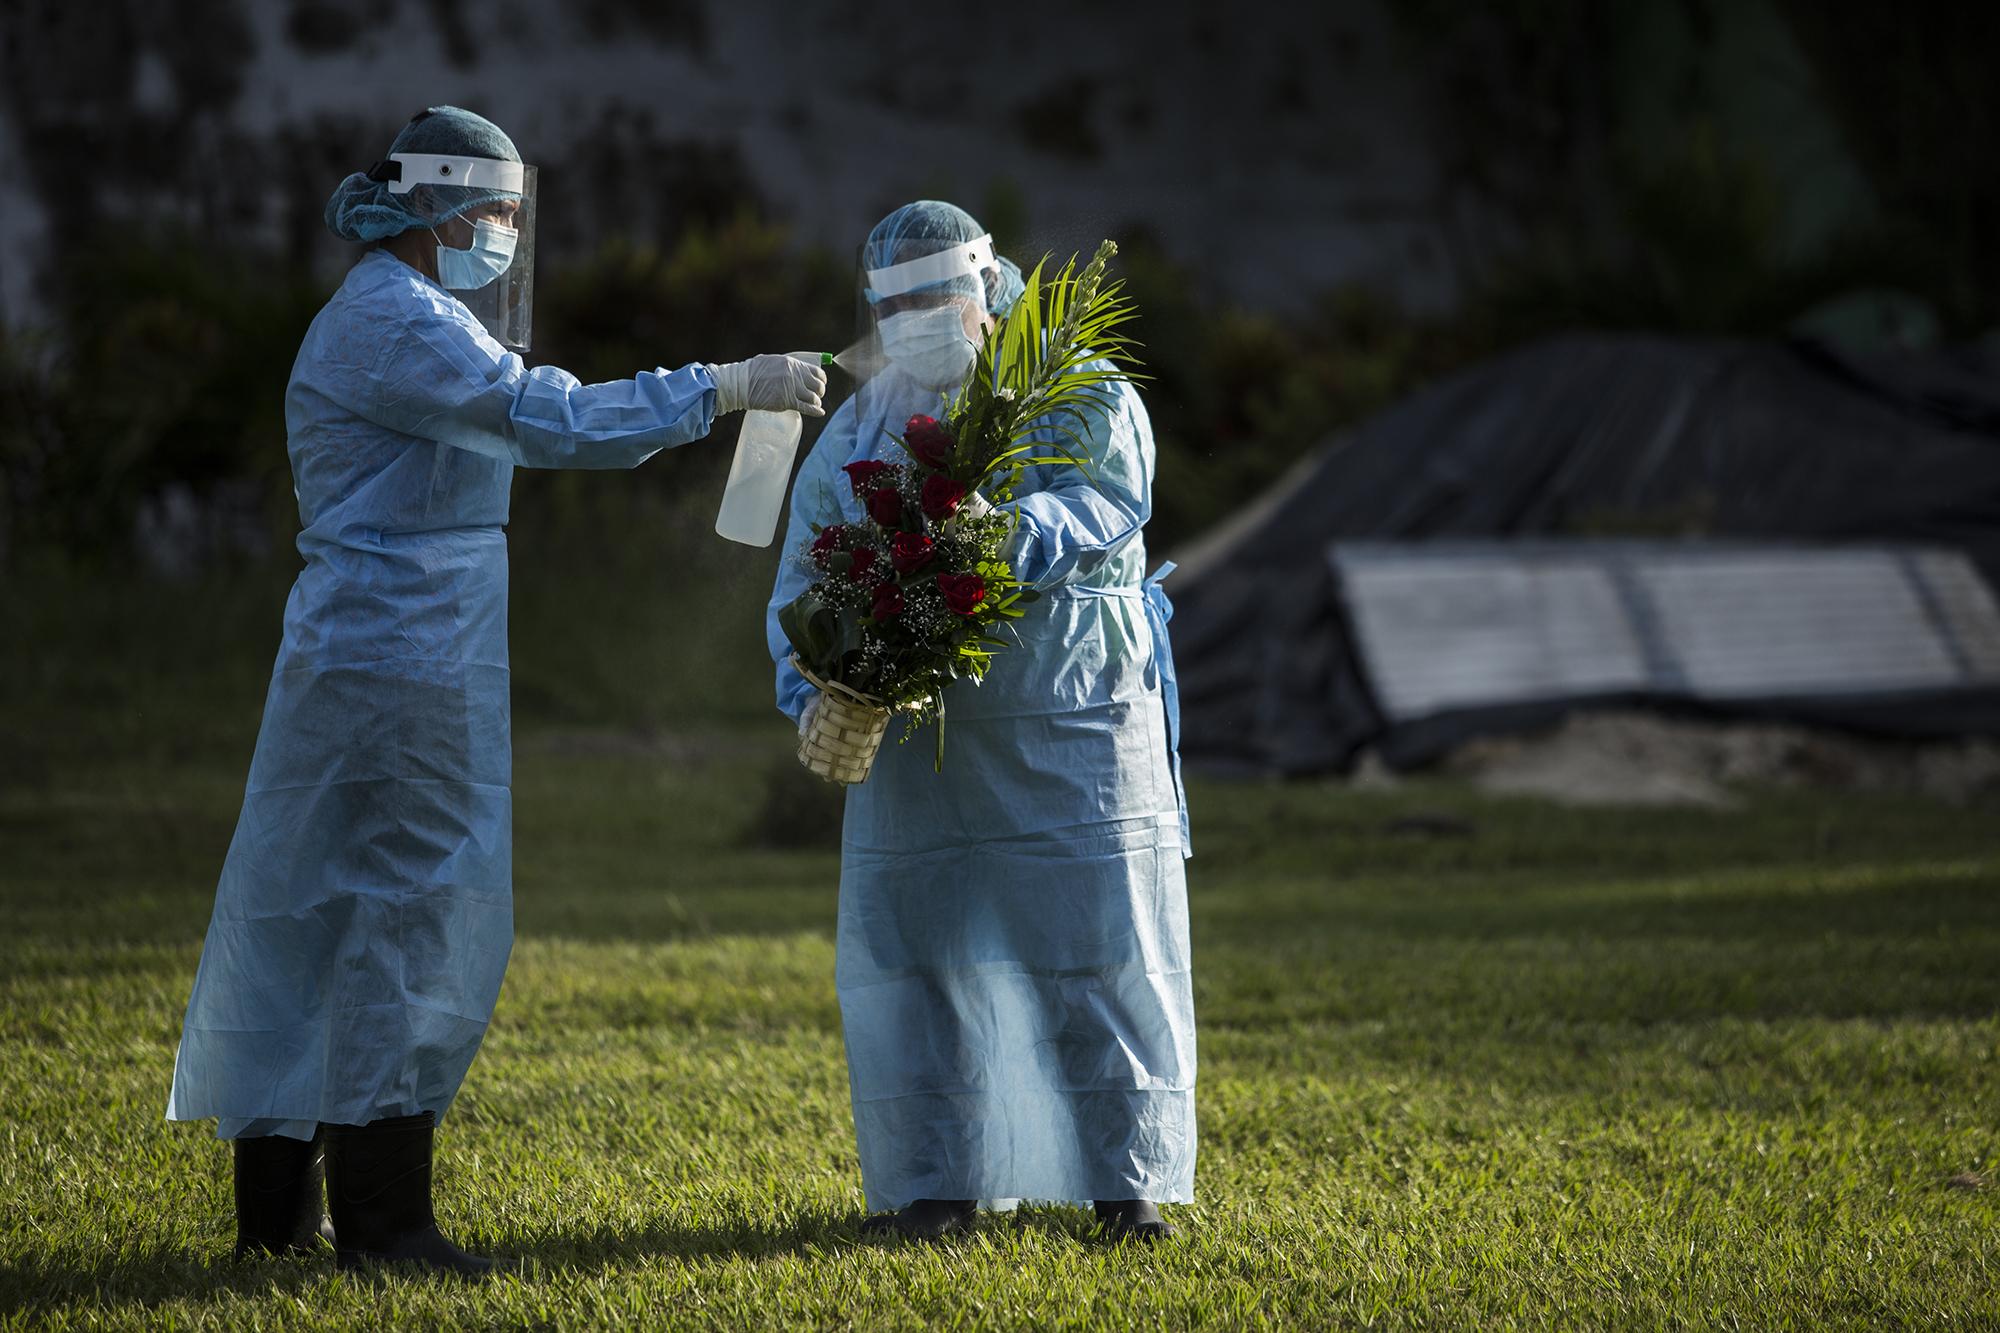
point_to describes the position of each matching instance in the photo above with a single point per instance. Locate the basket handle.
(835, 687)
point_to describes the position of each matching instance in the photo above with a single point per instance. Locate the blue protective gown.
(1013, 934)
(364, 914)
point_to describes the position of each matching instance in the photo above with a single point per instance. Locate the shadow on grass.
(1575, 983)
(591, 1248)
(149, 1277)
(1893, 904)
(146, 1278)
(807, 1235)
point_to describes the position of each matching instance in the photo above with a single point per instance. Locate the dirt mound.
(1627, 758)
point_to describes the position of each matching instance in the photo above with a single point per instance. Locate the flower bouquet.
(912, 598)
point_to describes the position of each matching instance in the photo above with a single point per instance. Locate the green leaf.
(795, 634)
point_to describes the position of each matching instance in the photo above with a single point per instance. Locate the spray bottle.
(754, 496)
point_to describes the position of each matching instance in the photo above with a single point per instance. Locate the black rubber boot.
(280, 1195)
(378, 1180)
(1132, 1219)
(925, 1219)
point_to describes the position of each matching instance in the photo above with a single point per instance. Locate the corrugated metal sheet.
(1480, 625)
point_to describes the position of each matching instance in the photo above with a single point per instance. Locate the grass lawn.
(1500, 1065)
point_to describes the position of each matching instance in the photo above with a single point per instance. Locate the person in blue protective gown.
(363, 917)
(1013, 965)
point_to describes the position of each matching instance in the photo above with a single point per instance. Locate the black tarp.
(1583, 436)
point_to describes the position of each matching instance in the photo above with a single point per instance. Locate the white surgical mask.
(930, 345)
(468, 270)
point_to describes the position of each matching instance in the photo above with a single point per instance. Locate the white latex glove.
(974, 505)
(771, 384)
(811, 712)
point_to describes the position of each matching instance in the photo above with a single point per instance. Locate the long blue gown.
(1012, 943)
(364, 914)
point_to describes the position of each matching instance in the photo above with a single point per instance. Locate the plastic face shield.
(953, 277)
(506, 305)
(968, 263)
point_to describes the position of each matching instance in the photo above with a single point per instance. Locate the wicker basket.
(846, 732)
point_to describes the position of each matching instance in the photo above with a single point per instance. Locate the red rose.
(962, 592)
(941, 497)
(910, 552)
(888, 602)
(928, 442)
(885, 507)
(861, 571)
(865, 475)
(826, 543)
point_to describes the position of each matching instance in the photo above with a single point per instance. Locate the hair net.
(363, 209)
(928, 226)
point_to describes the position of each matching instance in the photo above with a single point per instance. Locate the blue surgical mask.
(929, 344)
(468, 270)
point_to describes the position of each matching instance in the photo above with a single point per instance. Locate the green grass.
(1645, 1069)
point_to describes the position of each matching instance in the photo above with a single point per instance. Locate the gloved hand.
(811, 712)
(974, 505)
(771, 384)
